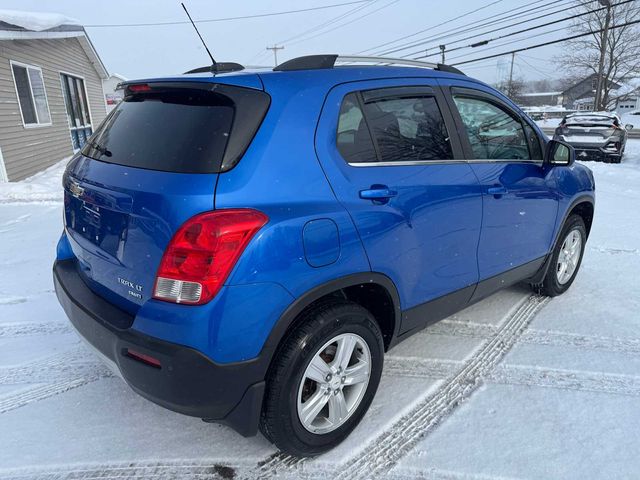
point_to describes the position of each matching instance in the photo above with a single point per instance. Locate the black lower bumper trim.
(187, 381)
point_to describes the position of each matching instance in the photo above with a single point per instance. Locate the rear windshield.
(597, 119)
(185, 128)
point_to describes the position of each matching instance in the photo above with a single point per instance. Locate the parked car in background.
(595, 136)
(244, 247)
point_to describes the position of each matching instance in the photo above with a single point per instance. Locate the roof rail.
(316, 62)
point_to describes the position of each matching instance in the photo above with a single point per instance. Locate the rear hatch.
(150, 166)
(588, 129)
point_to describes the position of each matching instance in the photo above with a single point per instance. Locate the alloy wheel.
(334, 383)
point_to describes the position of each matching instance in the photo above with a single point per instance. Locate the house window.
(32, 96)
(75, 99)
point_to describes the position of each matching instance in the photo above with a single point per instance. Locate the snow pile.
(45, 186)
(36, 21)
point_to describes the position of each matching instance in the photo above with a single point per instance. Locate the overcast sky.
(157, 50)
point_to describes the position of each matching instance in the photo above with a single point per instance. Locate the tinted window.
(408, 129)
(180, 129)
(534, 143)
(353, 138)
(493, 133)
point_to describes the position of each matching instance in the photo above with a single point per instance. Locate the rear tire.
(566, 257)
(304, 416)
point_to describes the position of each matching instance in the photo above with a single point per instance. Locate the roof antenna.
(214, 65)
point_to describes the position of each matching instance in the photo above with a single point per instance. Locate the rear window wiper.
(103, 150)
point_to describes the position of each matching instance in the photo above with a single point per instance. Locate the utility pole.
(442, 49)
(275, 49)
(597, 104)
(509, 90)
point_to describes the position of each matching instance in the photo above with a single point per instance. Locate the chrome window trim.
(441, 162)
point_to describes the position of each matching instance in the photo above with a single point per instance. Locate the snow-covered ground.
(517, 386)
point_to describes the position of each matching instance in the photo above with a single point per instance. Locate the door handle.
(377, 192)
(497, 190)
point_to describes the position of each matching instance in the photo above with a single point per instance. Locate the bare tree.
(513, 89)
(581, 56)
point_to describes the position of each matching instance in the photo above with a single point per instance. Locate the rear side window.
(408, 129)
(353, 137)
(493, 133)
(183, 128)
(386, 127)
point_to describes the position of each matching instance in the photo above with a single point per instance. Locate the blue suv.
(244, 246)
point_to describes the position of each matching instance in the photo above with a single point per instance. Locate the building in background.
(540, 99)
(51, 95)
(112, 97)
(581, 95)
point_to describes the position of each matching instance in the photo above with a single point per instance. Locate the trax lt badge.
(135, 288)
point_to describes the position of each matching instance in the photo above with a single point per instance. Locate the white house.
(112, 96)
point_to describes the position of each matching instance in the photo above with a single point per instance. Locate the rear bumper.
(187, 381)
(593, 151)
(595, 154)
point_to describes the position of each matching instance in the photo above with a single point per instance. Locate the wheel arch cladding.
(584, 209)
(373, 291)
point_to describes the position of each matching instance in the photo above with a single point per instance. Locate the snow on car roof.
(36, 21)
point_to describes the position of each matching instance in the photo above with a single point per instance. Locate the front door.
(393, 163)
(520, 203)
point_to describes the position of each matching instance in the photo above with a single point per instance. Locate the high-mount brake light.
(139, 87)
(203, 252)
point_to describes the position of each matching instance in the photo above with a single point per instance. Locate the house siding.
(32, 149)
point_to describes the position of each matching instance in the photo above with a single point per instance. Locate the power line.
(505, 27)
(331, 21)
(227, 19)
(505, 16)
(529, 29)
(524, 49)
(315, 28)
(497, 21)
(346, 23)
(426, 29)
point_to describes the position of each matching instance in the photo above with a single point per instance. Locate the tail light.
(202, 253)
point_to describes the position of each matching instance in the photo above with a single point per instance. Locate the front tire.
(566, 257)
(323, 379)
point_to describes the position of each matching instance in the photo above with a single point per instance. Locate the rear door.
(389, 150)
(149, 167)
(520, 203)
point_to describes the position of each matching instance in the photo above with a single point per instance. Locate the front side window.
(31, 95)
(534, 143)
(408, 129)
(492, 132)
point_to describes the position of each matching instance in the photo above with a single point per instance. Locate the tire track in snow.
(617, 384)
(384, 451)
(540, 337)
(562, 339)
(33, 328)
(420, 367)
(197, 469)
(49, 376)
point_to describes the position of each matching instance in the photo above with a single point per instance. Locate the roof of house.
(19, 25)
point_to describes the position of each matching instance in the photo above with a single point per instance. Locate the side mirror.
(628, 126)
(560, 153)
